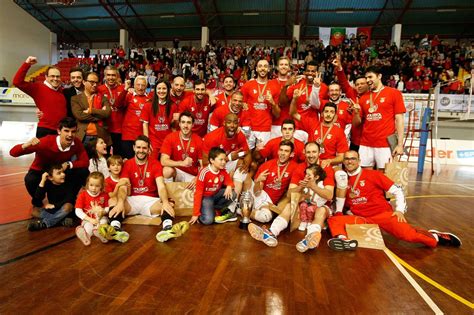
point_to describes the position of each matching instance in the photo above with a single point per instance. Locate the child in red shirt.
(209, 193)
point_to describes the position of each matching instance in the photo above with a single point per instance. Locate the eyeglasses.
(93, 82)
(54, 76)
(350, 159)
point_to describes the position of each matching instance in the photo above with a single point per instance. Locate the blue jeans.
(51, 219)
(208, 205)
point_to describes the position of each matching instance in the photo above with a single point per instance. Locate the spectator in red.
(426, 85)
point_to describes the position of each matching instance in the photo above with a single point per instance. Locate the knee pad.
(341, 179)
(263, 215)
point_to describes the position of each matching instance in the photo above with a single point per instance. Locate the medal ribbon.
(182, 145)
(375, 98)
(280, 175)
(356, 182)
(142, 175)
(325, 135)
(260, 92)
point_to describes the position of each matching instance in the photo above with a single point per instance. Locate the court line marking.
(413, 282)
(435, 183)
(11, 174)
(439, 196)
(428, 279)
(466, 186)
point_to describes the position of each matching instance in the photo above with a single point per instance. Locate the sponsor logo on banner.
(14, 96)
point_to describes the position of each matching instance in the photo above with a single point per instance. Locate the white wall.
(20, 36)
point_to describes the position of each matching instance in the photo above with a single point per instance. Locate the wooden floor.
(220, 269)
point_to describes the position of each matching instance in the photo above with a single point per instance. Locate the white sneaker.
(302, 226)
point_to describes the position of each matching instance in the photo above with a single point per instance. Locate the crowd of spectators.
(415, 67)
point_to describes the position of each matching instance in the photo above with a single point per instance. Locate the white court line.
(416, 181)
(415, 285)
(11, 174)
(466, 186)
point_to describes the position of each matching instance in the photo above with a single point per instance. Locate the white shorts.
(263, 199)
(142, 205)
(231, 166)
(370, 156)
(182, 176)
(260, 136)
(276, 132)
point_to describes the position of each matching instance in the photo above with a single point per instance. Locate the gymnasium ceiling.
(161, 20)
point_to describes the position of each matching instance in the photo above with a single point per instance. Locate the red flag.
(364, 34)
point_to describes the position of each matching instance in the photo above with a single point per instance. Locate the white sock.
(88, 227)
(167, 223)
(312, 228)
(278, 225)
(340, 204)
(232, 206)
(168, 180)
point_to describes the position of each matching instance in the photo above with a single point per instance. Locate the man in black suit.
(77, 87)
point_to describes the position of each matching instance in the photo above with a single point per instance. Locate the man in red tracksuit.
(366, 198)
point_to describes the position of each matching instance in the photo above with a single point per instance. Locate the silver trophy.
(246, 204)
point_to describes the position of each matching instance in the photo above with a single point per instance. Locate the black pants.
(127, 149)
(42, 132)
(76, 178)
(116, 143)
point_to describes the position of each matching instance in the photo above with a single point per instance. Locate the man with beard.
(112, 90)
(261, 96)
(283, 80)
(299, 95)
(233, 142)
(181, 152)
(55, 149)
(271, 149)
(299, 181)
(382, 112)
(223, 97)
(272, 181)
(236, 107)
(200, 106)
(353, 94)
(366, 199)
(143, 191)
(91, 110)
(47, 95)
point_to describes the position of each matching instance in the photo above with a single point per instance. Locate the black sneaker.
(36, 225)
(447, 239)
(340, 244)
(68, 222)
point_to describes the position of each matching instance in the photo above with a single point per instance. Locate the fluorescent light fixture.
(169, 16)
(344, 12)
(250, 13)
(93, 19)
(446, 10)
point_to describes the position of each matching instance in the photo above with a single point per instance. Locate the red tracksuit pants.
(386, 222)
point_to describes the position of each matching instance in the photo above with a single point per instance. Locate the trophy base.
(244, 224)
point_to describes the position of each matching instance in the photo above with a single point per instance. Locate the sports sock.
(278, 225)
(340, 204)
(312, 228)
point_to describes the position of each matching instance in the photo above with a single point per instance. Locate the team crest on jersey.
(205, 108)
(191, 150)
(161, 120)
(273, 174)
(286, 175)
(102, 200)
(136, 174)
(199, 115)
(178, 147)
(193, 109)
(216, 180)
(254, 91)
(221, 178)
(316, 132)
(147, 174)
(367, 102)
(362, 183)
(141, 106)
(382, 99)
(135, 100)
(329, 136)
(341, 112)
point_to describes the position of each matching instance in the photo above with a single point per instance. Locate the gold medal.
(352, 195)
(372, 109)
(261, 98)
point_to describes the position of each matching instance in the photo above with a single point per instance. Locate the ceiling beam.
(380, 14)
(297, 12)
(221, 25)
(197, 6)
(69, 22)
(305, 19)
(139, 19)
(405, 9)
(119, 19)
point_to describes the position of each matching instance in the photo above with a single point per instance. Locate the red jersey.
(218, 117)
(50, 101)
(302, 103)
(85, 199)
(260, 110)
(115, 120)
(218, 138)
(367, 198)
(208, 184)
(178, 99)
(222, 99)
(284, 110)
(380, 123)
(159, 125)
(142, 177)
(300, 173)
(276, 186)
(335, 141)
(270, 151)
(200, 111)
(110, 184)
(134, 104)
(178, 149)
